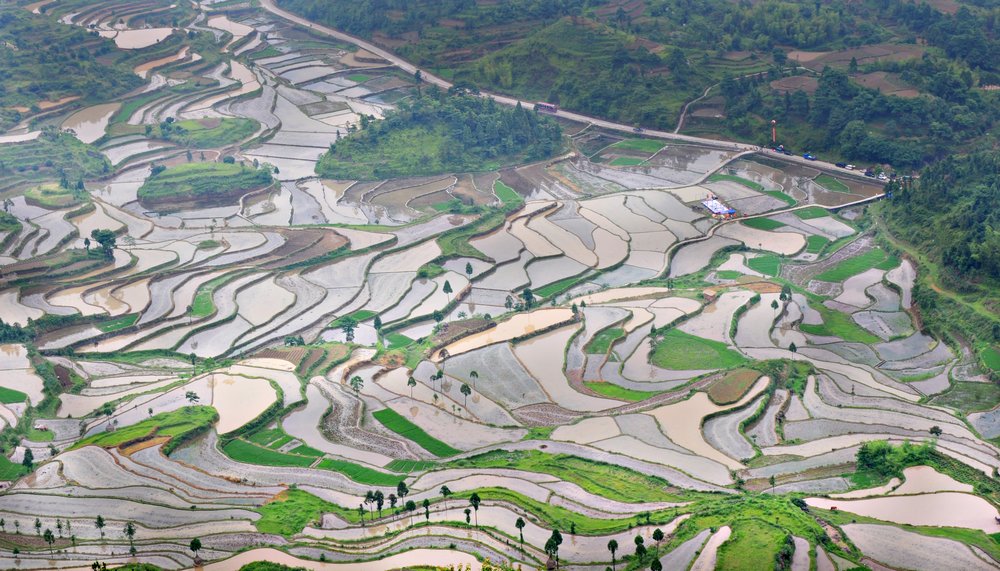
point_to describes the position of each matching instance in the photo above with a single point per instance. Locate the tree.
(852, 67)
(774, 304)
(529, 297)
(195, 547)
(86, 244)
(192, 356)
(410, 507)
(468, 269)
(437, 315)
(508, 303)
(411, 382)
(129, 531)
(474, 501)
(99, 524)
(347, 325)
(658, 537)
(392, 501)
(192, 397)
(474, 375)
(370, 502)
(519, 524)
(936, 430)
(445, 492)
(640, 547)
(771, 481)
(612, 547)
(468, 516)
(377, 323)
(29, 459)
(3, 525)
(466, 390)
(656, 565)
(107, 241)
(402, 490)
(357, 383)
(793, 348)
(379, 501)
(552, 545)
(38, 526)
(59, 526)
(50, 538)
(427, 509)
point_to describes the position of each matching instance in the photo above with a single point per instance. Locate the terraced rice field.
(279, 372)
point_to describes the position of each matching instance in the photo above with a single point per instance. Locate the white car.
(882, 176)
(849, 167)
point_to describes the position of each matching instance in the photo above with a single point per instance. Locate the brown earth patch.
(732, 385)
(134, 447)
(886, 83)
(796, 83)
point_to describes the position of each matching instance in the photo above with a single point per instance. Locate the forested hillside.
(879, 81)
(441, 133)
(42, 60)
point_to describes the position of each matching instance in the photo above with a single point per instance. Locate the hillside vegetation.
(49, 157)
(42, 60)
(440, 133)
(202, 184)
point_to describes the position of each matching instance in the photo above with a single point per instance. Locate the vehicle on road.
(546, 107)
(841, 165)
(850, 167)
(809, 157)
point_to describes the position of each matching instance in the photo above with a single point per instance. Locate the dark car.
(841, 165)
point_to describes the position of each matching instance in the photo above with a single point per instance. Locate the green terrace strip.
(682, 351)
(203, 305)
(10, 396)
(991, 358)
(195, 184)
(304, 457)
(9, 470)
(36, 435)
(810, 212)
(121, 322)
(645, 145)
(176, 425)
(357, 317)
(837, 324)
(49, 157)
(969, 397)
(763, 223)
(781, 196)
(396, 423)
(614, 391)
(738, 180)
(601, 342)
(626, 162)
(506, 194)
(292, 510)
(727, 274)
(409, 466)
(876, 258)
(555, 288)
(830, 183)
(606, 480)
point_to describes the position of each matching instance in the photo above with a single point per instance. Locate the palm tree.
(130, 531)
(357, 383)
(427, 509)
(445, 492)
(657, 537)
(411, 382)
(474, 500)
(474, 375)
(401, 489)
(195, 547)
(519, 524)
(369, 500)
(447, 290)
(612, 547)
(468, 516)
(552, 545)
(410, 506)
(466, 390)
(38, 526)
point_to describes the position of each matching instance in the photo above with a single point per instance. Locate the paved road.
(408, 67)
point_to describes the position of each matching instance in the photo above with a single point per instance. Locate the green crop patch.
(643, 145)
(10, 396)
(763, 224)
(614, 391)
(506, 194)
(838, 324)
(830, 183)
(815, 244)
(243, 451)
(681, 351)
(202, 184)
(358, 473)
(174, 424)
(601, 342)
(738, 180)
(875, 258)
(626, 162)
(769, 265)
(207, 133)
(810, 212)
(781, 196)
(118, 323)
(53, 196)
(396, 423)
(291, 511)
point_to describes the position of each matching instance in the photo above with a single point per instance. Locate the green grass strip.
(601, 342)
(626, 162)
(358, 473)
(811, 212)
(738, 180)
(768, 265)
(781, 196)
(614, 391)
(243, 451)
(815, 244)
(763, 223)
(850, 267)
(403, 427)
(10, 396)
(506, 194)
(645, 145)
(120, 322)
(830, 183)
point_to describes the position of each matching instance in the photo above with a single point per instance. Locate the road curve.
(427, 77)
